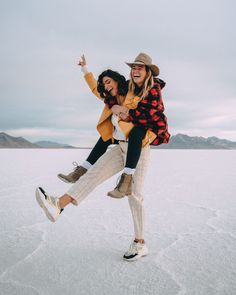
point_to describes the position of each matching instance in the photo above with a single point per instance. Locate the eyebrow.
(107, 79)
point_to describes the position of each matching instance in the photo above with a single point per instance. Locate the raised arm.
(89, 78)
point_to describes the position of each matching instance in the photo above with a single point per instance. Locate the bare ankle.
(64, 201)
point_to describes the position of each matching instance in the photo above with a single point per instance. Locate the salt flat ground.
(190, 201)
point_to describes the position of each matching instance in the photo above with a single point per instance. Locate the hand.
(124, 110)
(116, 109)
(124, 117)
(82, 61)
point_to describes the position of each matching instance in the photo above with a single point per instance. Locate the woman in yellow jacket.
(113, 94)
(113, 161)
(112, 88)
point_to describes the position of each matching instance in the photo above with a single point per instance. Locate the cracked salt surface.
(190, 228)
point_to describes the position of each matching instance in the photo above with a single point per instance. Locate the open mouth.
(108, 91)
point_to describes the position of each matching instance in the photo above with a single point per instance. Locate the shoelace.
(76, 165)
(133, 248)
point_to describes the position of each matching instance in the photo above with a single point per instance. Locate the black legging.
(134, 148)
(136, 136)
(98, 150)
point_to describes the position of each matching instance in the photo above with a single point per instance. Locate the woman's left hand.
(115, 109)
(124, 117)
(82, 61)
(124, 110)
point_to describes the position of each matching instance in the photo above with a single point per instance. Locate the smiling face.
(110, 85)
(138, 74)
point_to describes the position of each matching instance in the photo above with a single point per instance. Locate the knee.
(136, 197)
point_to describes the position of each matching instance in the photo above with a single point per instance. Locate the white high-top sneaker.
(49, 204)
(136, 251)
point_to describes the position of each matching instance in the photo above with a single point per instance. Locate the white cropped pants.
(109, 164)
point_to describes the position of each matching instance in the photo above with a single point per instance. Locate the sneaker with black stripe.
(135, 251)
(49, 204)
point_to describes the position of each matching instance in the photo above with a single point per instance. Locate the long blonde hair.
(147, 85)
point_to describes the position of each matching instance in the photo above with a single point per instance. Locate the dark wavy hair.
(122, 83)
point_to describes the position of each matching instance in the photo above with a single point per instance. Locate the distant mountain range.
(179, 141)
(51, 144)
(8, 142)
(182, 141)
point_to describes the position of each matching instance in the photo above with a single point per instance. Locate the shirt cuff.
(84, 70)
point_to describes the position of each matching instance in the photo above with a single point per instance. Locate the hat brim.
(155, 70)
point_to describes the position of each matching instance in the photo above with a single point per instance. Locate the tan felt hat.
(144, 59)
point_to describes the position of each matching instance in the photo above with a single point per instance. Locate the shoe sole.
(111, 196)
(39, 195)
(134, 258)
(64, 180)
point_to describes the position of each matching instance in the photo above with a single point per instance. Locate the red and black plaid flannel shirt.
(149, 114)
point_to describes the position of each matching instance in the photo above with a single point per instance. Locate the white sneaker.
(49, 204)
(136, 251)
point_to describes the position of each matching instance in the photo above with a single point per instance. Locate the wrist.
(127, 112)
(84, 70)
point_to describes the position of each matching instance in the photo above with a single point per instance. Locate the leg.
(98, 150)
(134, 146)
(108, 165)
(124, 186)
(136, 197)
(65, 200)
(138, 247)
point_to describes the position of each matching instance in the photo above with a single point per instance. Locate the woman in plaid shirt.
(145, 110)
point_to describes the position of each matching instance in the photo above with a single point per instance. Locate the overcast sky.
(42, 91)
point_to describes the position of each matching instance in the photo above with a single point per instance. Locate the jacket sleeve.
(149, 110)
(92, 83)
(132, 102)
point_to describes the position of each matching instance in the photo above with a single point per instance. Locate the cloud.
(42, 88)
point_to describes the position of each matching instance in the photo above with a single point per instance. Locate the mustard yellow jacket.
(104, 126)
